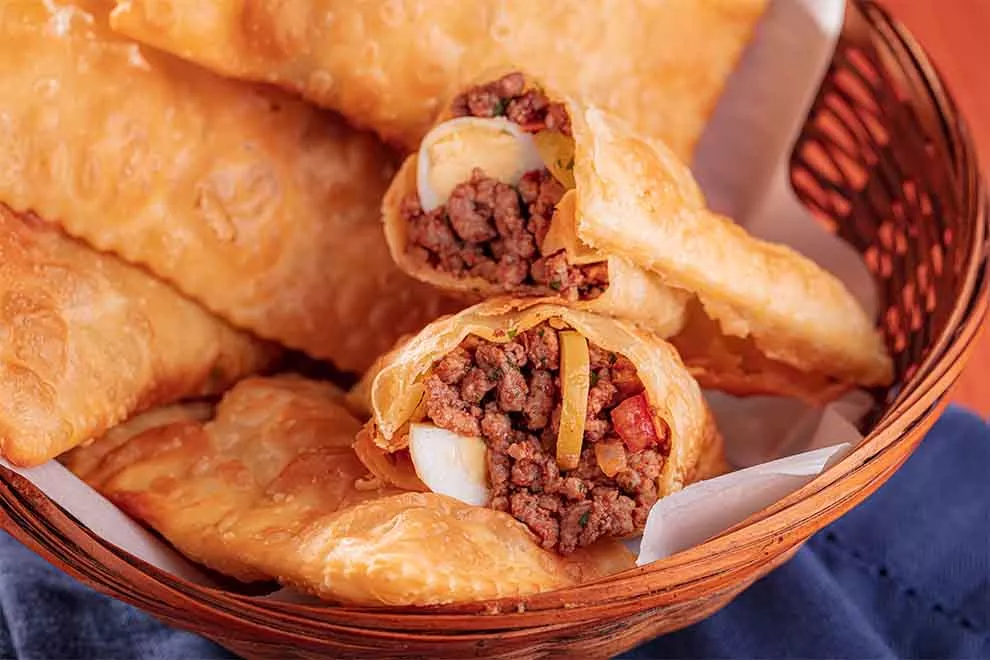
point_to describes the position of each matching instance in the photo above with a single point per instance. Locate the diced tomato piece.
(633, 422)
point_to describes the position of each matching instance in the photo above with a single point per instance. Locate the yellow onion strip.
(575, 381)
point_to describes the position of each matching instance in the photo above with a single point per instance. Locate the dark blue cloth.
(906, 574)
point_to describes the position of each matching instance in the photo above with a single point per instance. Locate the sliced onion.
(575, 381)
(450, 464)
(611, 457)
(557, 151)
(454, 148)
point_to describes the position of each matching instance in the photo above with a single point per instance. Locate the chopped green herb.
(583, 520)
(594, 378)
(540, 332)
(612, 358)
(512, 333)
(499, 108)
(494, 374)
(555, 285)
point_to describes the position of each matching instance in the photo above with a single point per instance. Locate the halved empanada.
(554, 197)
(574, 423)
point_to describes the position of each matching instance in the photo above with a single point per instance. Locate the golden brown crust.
(712, 462)
(271, 207)
(385, 552)
(270, 489)
(637, 199)
(87, 340)
(275, 456)
(90, 459)
(673, 394)
(659, 64)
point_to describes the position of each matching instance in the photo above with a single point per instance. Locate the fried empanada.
(574, 423)
(261, 207)
(87, 340)
(271, 489)
(560, 198)
(661, 64)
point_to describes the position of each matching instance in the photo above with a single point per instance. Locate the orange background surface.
(956, 34)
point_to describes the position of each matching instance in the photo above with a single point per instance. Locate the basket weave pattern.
(886, 162)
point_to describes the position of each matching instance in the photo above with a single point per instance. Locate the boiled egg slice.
(450, 464)
(451, 151)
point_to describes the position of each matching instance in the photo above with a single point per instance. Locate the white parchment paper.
(741, 164)
(107, 521)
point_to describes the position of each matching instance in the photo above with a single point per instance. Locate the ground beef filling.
(508, 97)
(491, 230)
(509, 394)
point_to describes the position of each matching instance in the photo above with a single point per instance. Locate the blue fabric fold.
(904, 575)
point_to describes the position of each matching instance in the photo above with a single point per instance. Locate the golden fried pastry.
(87, 340)
(90, 461)
(572, 422)
(270, 488)
(262, 208)
(661, 64)
(554, 197)
(429, 549)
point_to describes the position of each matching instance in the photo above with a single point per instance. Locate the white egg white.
(451, 151)
(450, 464)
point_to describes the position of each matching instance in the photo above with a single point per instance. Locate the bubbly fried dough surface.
(259, 206)
(267, 489)
(87, 340)
(660, 64)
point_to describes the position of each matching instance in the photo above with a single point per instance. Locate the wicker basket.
(884, 160)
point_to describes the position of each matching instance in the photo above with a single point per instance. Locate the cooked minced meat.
(509, 394)
(491, 230)
(507, 97)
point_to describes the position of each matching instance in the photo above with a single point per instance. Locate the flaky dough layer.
(661, 64)
(269, 488)
(87, 340)
(261, 207)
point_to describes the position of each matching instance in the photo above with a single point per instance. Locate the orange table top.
(955, 35)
